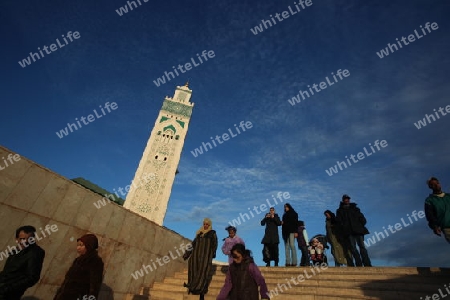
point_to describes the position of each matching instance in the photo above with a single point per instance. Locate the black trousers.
(270, 252)
(305, 256)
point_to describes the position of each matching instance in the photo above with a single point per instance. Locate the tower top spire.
(187, 83)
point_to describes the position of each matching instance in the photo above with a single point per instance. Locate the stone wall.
(33, 195)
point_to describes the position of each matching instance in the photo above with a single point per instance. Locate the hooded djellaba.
(85, 276)
(200, 260)
(335, 236)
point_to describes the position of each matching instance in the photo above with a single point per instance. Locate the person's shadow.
(106, 293)
(145, 296)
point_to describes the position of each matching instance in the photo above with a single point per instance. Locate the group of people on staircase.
(243, 276)
(344, 230)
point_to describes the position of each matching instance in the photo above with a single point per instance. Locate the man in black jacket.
(353, 224)
(23, 266)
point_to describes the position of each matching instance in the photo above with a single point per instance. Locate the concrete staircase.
(382, 283)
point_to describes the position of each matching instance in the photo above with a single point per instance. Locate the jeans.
(364, 257)
(446, 232)
(290, 251)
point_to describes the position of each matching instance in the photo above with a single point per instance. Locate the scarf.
(203, 231)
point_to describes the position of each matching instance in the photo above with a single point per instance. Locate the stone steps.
(377, 283)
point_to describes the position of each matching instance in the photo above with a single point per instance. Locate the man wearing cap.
(230, 241)
(23, 267)
(437, 209)
(353, 222)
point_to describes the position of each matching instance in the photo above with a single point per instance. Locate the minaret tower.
(152, 183)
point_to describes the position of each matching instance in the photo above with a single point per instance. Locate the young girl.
(302, 241)
(230, 241)
(238, 283)
(316, 250)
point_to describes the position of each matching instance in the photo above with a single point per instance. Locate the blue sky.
(251, 78)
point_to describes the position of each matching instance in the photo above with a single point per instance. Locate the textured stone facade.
(33, 195)
(161, 157)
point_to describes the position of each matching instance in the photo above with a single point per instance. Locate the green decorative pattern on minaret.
(163, 119)
(181, 123)
(170, 127)
(177, 108)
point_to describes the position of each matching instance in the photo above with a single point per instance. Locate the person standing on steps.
(230, 241)
(437, 209)
(302, 241)
(200, 266)
(336, 239)
(353, 222)
(289, 232)
(271, 239)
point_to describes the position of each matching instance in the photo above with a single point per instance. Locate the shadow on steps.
(426, 281)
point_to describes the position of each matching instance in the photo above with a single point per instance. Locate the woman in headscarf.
(200, 260)
(243, 278)
(85, 276)
(289, 229)
(336, 239)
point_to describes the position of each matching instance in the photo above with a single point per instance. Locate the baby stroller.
(316, 254)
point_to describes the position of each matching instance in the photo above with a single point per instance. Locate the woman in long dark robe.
(335, 237)
(200, 260)
(84, 278)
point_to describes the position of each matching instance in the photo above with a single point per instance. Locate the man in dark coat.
(353, 224)
(271, 238)
(23, 266)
